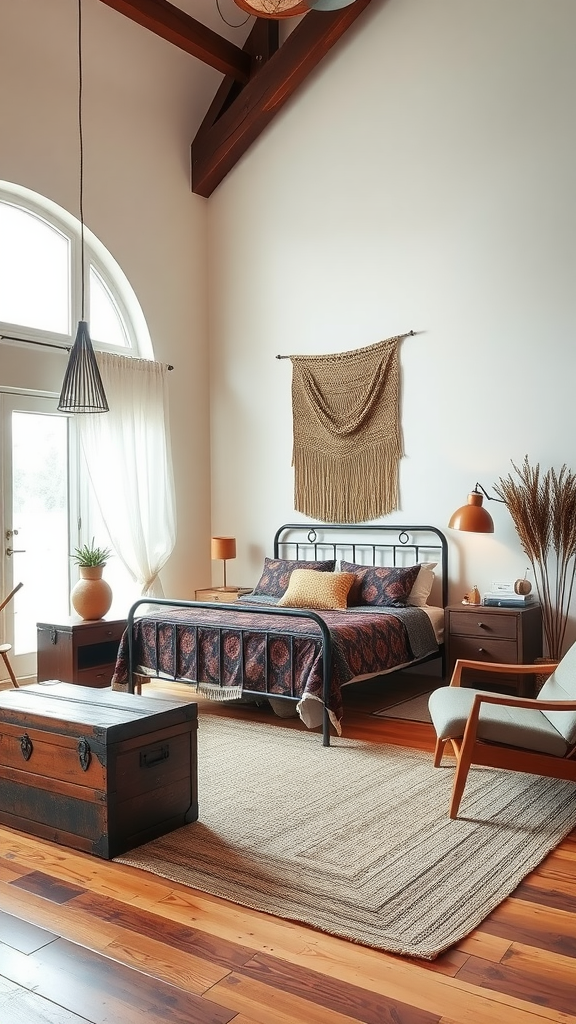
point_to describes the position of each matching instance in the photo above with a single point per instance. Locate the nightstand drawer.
(484, 624)
(484, 649)
(105, 632)
(506, 635)
(98, 675)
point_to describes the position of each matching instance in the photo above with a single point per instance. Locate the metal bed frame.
(318, 542)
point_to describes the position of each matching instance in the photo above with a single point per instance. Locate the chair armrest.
(545, 669)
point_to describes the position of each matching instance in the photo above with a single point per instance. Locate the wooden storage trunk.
(99, 770)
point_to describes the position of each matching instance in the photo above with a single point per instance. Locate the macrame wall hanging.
(347, 433)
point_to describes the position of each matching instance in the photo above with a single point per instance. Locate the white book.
(510, 599)
(502, 587)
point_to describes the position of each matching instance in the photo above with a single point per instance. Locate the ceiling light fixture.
(289, 8)
(82, 388)
(273, 8)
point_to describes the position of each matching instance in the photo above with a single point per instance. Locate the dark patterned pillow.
(383, 585)
(277, 571)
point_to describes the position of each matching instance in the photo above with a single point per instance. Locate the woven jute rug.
(413, 710)
(355, 839)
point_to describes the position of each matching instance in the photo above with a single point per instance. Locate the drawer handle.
(481, 650)
(482, 625)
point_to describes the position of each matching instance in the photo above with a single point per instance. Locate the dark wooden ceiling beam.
(221, 142)
(174, 25)
(263, 41)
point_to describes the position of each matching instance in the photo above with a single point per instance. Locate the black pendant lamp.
(82, 389)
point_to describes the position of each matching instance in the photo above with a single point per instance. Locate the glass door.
(35, 523)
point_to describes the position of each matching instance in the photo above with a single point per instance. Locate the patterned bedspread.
(261, 652)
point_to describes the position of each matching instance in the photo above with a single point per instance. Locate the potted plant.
(91, 596)
(543, 510)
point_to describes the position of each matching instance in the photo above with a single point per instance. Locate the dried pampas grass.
(543, 510)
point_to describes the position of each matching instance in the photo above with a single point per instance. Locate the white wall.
(422, 178)
(143, 101)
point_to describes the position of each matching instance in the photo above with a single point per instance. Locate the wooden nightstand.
(80, 651)
(222, 596)
(494, 634)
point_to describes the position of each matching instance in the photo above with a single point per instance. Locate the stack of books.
(503, 595)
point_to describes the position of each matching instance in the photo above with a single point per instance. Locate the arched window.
(48, 506)
(40, 285)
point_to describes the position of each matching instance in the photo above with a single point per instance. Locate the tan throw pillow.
(322, 591)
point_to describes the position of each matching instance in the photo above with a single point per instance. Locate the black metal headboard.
(393, 545)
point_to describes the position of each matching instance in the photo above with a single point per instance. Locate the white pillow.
(423, 585)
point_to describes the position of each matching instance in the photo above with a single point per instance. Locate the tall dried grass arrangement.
(543, 510)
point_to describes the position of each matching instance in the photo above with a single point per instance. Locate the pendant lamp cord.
(230, 23)
(81, 141)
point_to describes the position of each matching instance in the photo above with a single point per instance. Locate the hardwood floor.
(85, 940)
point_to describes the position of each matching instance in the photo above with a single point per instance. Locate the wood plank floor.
(85, 940)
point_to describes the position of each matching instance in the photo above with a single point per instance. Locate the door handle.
(13, 551)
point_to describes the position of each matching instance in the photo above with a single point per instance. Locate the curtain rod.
(44, 344)
(408, 334)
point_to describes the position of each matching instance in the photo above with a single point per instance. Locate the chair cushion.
(561, 685)
(517, 727)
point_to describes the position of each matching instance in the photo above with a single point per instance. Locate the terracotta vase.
(91, 596)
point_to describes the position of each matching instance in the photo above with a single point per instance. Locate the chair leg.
(9, 668)
(438, 751)
(462, 769)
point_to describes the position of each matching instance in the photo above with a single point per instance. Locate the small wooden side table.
(480, 633)
(222, 596)
(80, 651)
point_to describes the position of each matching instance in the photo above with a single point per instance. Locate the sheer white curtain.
(129, 461)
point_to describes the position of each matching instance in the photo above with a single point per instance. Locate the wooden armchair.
(500, 731)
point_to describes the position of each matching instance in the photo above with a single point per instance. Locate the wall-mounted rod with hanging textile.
(408, 334)
(347, 434)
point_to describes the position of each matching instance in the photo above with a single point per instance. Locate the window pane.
(106, 322)
(40, 514)
(34, 272)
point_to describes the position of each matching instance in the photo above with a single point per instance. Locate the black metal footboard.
(238, 607)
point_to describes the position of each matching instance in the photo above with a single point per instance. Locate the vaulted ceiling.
(259, 77)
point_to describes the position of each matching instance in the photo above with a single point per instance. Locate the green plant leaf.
(90, 555)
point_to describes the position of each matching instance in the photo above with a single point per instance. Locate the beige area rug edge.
(414, 885)
(413, 710)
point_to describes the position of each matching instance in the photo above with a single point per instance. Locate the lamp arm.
(490, 497)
